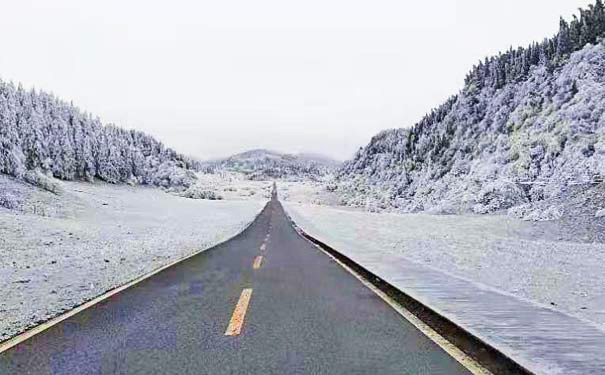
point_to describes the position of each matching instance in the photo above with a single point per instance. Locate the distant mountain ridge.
(527, 124)
(261, 164)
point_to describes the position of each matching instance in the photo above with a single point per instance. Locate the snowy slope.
(42, 136)
(57, 251)
(528, 126)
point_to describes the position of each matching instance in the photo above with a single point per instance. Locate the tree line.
(514, 65)
(452, 131)
(39, 132)
(494, 73)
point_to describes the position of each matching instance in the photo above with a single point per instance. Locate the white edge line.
(16, 340)
(465, 360)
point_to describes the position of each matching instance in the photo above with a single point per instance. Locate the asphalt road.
(306, 315)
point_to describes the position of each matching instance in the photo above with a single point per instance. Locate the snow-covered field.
(306, 192)
(57, 251)
(233, 186)
(525, 259)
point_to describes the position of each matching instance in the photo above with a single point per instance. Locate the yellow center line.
(237, 320)
(257, 262)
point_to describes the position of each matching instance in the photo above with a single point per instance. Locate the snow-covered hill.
(42, 136)
(268, 165)
(527, 128)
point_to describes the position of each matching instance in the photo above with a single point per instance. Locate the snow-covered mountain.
(43, 136)
(263, 164)
(528, 127)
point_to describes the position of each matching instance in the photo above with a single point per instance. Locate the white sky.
(211, 78)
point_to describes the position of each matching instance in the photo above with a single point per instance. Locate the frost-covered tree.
(39, 132)
(526, 122)
(514, 64)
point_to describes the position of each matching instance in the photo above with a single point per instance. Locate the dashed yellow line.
(257, 262)
(237, 320)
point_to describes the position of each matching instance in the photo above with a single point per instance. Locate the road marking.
(237, 320)
(263, 247)
(16, 340)
(257, 261)
(473, 366)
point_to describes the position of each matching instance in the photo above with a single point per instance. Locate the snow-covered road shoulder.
(455, 264)
(60, 251)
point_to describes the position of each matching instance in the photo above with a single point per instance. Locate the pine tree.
(564, 44)
(40, 132)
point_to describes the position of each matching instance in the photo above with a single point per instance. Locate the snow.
(232, 186)
(539, 301)
(522, 258)
(306, 192)
(58, 251)
(43, 135)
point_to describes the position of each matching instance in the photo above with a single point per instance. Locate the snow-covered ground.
(57, 251)
(525, 259)
(231, 186)
(306, 192)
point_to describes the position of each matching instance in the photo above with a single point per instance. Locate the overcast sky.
(211, 78)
